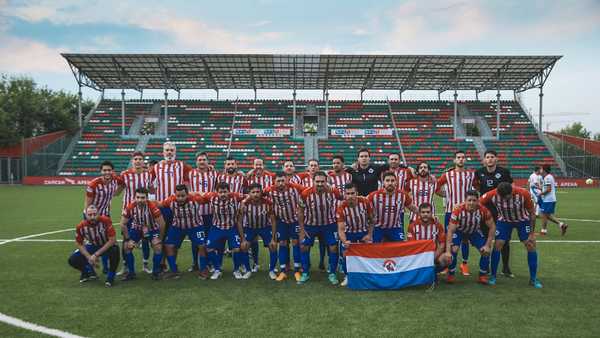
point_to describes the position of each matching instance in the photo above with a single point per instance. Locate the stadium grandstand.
(305, 129)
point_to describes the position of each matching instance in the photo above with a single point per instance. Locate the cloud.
(260, 23)
(27, 56)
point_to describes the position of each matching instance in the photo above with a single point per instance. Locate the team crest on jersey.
(498, 175)
(371, 170)
(389, 265)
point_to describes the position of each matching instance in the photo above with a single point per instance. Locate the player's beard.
(423, 174)
(231, 171)
(170, 158)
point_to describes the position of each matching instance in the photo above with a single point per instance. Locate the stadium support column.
(455, 114)
(79, 108)
(294, 114)
(327, 113)
(166, 114)
(498, 115)
(541, 111)
(122, 112)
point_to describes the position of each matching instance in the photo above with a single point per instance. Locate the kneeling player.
(355, 222)
(515, 211)
(428, 227)
(99, 234)
(146, 223)
(464, 225)
(256, 214)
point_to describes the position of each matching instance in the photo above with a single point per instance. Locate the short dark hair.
(279, 174)
(547, 168)
(229, 158)
(181, 187)
(137, 153)
(504, 189)
(459, 152)
(427, 164)
(108, 163)
(490, 151)
(222, 185)
(202, 153)
(339, 157)
(363, 150)
(313, 160)
(425, 205)
(473, 193)
(350, 186)
(386, 174)
(537, 167)
(153, 162)
(141, 190)
(320, 173)
(254, 186)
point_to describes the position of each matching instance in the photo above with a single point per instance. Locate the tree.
(597, 137)
(576, 129)
(27, 110)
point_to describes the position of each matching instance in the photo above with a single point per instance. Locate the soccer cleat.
(464, 269)
(237, 274)
(450, 279)
(536, 283)
(344, 283)
(444, 272)
(563, 228)
(155, 276)
(128, 277)
(146, 268)
(322, 266)
(332, 277)
(172, 275)
(84, 277)
(483, 279)
(193, 268)
(492, 281)
(255, 268)
(297, 276)
(216, 275)
(246, 275)
(273, 275)
(281, 277)
(543, 232)
(92, 275)
(109, 283)
(507, 273)
(211, 269)
(303, 278)
(123, 271)
(204, 274)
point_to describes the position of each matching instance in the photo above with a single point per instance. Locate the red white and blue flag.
(390, 265)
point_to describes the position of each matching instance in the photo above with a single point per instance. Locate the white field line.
(34, 235)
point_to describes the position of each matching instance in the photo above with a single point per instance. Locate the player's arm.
(240, 227)
(273, 243)
(370, 223)
(440, 184)
(161, 226)
(80, 246)
(301, 220)
(449, 235)
(342, 232)
(491, 233)
(112, 239)
(124, 232)
(531, 210)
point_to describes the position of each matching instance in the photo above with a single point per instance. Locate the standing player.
(308, 176)
(338, 176)
(487, 178)
(366, 175)
(142, 219)
(187, 221)
(290, 172)
(388, 205)
(225, 206)
(256, 215)
(465, 224)
(403, 173)
(355, 222)
(455, 183)
(316, 217)
(133, 179)
(285, 197)
(202, 180)
(422, 188)
(233, 177)
(95, 237)
(428, 227)
(548, 203)
(515, 211)
(259, 175)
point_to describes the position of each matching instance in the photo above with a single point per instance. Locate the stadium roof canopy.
(322, 72)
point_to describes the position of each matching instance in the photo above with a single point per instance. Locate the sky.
(34, 33)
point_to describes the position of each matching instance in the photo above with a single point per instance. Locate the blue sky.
(33, 33)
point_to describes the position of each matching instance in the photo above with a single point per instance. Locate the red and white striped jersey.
(307, 180)
(294, 179)
(339, 181)
(265, 180)
(419, 230)
(468, 221)
(97, 233)
(224, 211)
(356, 218)
(421, 192)
(237, 182)
(513, 209)
(186, 215)
(202, 182)
(102, 193)
(388, 209)
(133, 181)
(144, 215)
(169, 174)
(319, 208)
(456, 184)
(285, 202)
(403, 175)
(257, 215)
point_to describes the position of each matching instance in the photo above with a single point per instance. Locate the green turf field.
(38, 286)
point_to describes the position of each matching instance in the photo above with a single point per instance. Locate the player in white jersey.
(421, 188)
(534, 184)
(548, 202)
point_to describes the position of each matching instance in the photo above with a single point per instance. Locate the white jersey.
(535, 184)
(549, 182)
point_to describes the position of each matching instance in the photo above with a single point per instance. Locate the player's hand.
(447, 257)
(485, 250)
(244, 245)
(346, 243)
(355, 166)
(530, 239)
(273, 245)
(93, 260)
(367, 239)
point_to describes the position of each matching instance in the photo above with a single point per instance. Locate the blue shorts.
(504, 230)
(167, 215)
(217, 237)
(137, 235)
(447, 221)
(547, 207)
(327, 232)
(287, 231)
(390, 234)
(356, 237)
(264, 233)
(176, 235)
(207, 220)
(476, 238)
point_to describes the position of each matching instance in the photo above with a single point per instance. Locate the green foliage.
(576, 129)
(27, 110)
